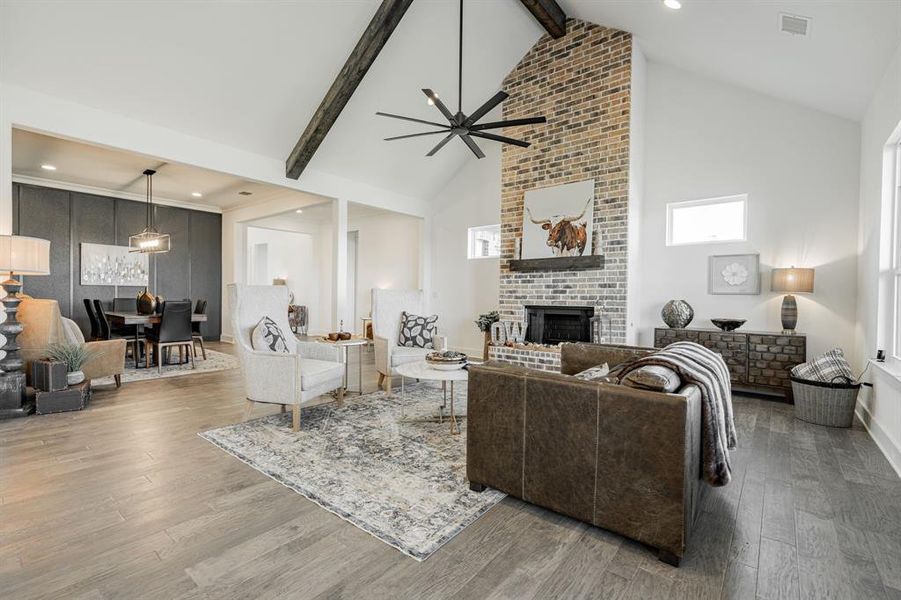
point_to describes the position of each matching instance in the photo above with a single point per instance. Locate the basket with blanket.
(825, 390)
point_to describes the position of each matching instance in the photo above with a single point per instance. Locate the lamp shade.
(792, 280)
(24, 255)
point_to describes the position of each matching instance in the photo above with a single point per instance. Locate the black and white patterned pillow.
(416, 331)
(829, 367)
(268, 336)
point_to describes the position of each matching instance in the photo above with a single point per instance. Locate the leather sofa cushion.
(653, 377)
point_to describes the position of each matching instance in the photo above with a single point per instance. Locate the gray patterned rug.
(215, 361)
(404, 483)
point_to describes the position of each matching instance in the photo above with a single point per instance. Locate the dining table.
(118, 318)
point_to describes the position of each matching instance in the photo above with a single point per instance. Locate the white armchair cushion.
(314, 373)
(403, 354)
(268, 336)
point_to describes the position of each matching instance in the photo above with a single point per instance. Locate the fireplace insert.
(557, 324)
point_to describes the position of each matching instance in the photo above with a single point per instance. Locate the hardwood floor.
(124, 500)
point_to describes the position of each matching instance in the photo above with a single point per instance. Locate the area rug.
(404, 483)
(215, 361)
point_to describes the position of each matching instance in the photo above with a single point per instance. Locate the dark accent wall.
(192, 269)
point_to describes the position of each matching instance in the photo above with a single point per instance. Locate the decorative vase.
(146, 303)
(677, 314)
(74, 377)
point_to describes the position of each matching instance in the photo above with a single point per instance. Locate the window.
(707, 221)
(484, 241)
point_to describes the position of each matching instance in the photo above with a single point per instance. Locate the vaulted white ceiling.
(250, 74)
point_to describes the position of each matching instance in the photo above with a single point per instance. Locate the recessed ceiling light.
(299, 211)
(673, 4)
(48, 167)
(197, 194)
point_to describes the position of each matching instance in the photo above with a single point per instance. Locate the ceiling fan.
(466, 127)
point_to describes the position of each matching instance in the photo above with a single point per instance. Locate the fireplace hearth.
(558, 324)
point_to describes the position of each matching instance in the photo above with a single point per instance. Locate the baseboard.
(885, 444)
(228, 339)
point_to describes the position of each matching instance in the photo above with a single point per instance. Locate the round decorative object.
(146, 303)
(728, 324)
(677, 314)
(74, 377)
(446, 361)
(735, 274)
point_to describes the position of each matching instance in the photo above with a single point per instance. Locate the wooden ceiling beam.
(380, 28)
(549, 14)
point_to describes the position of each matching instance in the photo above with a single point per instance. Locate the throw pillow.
(653, 377)
(416, 331)
(596, 373)
(268, 336)
(828, 367)
(71, 333)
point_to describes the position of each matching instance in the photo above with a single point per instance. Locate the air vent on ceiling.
(245, 193)
(794, 24)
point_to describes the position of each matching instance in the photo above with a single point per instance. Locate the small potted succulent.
(484, 323)
(74, 355)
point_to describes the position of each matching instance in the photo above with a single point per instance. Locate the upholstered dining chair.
(196, 334)
(387, 306)
(173, 331)
(294, 378)
(92, 318)
(106, 331)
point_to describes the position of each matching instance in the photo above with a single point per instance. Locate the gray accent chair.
(294, 378)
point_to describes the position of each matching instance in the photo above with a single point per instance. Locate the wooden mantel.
(558, 263)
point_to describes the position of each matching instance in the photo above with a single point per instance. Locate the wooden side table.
(758, 361)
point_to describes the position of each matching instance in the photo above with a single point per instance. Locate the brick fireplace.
(582, 84)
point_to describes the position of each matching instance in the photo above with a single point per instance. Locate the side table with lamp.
(19, 255)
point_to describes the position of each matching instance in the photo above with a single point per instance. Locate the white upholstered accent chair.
(387, 306)
(295, 378)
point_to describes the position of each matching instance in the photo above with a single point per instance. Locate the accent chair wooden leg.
(248, 409)
(295, 417)
(340, 396)
(381, 379)
(388, 384)
(284, 408)
(118, 379)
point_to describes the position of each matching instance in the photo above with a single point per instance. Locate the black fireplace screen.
(557, 324)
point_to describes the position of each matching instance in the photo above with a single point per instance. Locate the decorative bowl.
(728, 324)
(339, 336)
(446, 361)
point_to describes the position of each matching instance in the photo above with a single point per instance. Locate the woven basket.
(829, 404)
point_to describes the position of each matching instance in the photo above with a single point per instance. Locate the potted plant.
(484, 323)
(74, 355)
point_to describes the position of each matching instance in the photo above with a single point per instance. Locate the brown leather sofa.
(43, 327)
(620, 458)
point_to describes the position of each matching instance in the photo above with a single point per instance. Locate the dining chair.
(108, 333)
(92, 317)
(125, 304)
(173, 331)
(196, 334)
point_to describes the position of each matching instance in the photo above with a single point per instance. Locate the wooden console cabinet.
(758, 361)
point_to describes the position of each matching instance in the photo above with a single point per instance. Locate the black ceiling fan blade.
(509, 123)
(483, 110)
(500, 138)
(384, 114)
(438, 104)
(472, 146)
(412, 135)
(441, 144)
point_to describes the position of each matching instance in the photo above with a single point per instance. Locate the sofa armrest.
(320, 351)
(271, 376)
(576, 357)
(107, 358)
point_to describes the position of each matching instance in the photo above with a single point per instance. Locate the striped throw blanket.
(706, 369)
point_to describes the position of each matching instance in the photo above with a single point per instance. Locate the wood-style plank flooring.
(124, 500)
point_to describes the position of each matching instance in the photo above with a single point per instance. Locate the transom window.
(708, 221)
(484, 241)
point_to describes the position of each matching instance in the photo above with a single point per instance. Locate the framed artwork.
(102, 264)
(733, 274)
(557, 221)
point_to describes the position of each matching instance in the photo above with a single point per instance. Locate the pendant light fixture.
(149, 241)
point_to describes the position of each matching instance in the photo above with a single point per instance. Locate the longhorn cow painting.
(557, 221)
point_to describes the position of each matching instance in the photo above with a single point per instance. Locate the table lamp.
(791, 280)
(19, 255)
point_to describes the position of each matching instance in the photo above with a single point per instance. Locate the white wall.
(463, 288)
(637, 126)
(799, 168)
(879, 409)
(388, 249)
